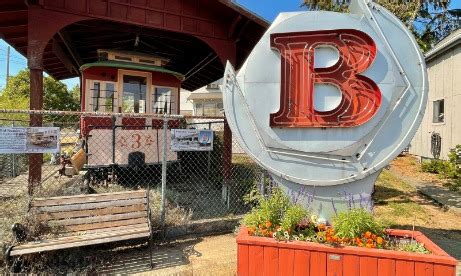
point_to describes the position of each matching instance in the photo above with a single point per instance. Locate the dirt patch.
(409, 165)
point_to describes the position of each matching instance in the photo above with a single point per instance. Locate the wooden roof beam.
(71, 49)
(57, 50)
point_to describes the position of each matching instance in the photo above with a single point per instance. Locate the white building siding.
(444, 73)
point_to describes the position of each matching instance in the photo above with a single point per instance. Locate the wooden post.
(36, 103)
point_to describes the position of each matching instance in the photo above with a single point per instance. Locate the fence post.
(164, 170)
(227, 163)
(13, 161)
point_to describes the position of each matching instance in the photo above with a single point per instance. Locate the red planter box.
(266, 256)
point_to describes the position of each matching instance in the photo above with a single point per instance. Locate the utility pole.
(7, 65)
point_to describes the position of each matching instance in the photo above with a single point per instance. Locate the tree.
(55, 94)
(429, 20)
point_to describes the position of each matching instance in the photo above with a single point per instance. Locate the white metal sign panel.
(191, 140)
(328, 99)
(29, 140)
(101, 147)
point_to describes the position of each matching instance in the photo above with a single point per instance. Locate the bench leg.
(150, 251)
(13, 264)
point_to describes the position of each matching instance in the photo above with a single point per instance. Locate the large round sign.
(326, 100)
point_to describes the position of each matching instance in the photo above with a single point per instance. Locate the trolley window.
(164, 101)
(134, 94)
(102, 96)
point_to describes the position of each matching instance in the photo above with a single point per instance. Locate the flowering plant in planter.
(278, 218)
(283, 238)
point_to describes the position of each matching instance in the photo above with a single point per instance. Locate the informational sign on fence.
(29, 140)
(191, 140)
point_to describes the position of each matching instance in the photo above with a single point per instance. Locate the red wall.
(111, 74)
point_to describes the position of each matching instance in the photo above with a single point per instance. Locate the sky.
(260, 7)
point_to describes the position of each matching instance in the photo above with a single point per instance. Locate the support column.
(36, 103)
(227, 154)
(227, 164)
(41, 30)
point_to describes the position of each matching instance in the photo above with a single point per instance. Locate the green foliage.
(270, 209)
(414, 247)
(293, 216)
(454, 185)
(437, 166)
(277, 217)
(429, 20)
(446, 169)
(55, 94)
(355, 222)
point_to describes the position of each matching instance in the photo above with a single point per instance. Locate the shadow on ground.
(135, 261)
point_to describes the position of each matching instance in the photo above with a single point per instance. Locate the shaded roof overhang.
(444, 45)
(132, 66)
(77, 44)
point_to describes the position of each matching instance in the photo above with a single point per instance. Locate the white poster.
(29, 140)
(191, 140)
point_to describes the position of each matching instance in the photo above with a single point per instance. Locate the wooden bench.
(92, 219)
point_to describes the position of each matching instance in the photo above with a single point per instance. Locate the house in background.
(207, 101)
(440, 129)
(187, 108)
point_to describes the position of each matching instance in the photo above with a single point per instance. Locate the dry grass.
(399, 205)
(409, 166)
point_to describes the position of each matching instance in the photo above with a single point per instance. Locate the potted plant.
(281, 238)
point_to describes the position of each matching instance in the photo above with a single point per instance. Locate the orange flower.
(322, 227)
(268, 224)
(368, 234)
(370, 241)
(379, 240)
(369, 245)
(271, 234)
(360, 244)
(264, 232)
(373, 237)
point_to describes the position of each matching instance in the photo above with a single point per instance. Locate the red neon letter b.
(361, 97)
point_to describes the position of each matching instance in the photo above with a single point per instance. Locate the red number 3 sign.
(361, 96)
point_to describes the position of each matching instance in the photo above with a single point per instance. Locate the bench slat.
(89, 206)
(86, 237)
(110, 229)
(81, 199)
(84, 195)
(83, 227)
(91, 220)
(94, 212)
(99, 240)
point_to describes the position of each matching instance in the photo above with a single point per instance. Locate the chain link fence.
(103, 153)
